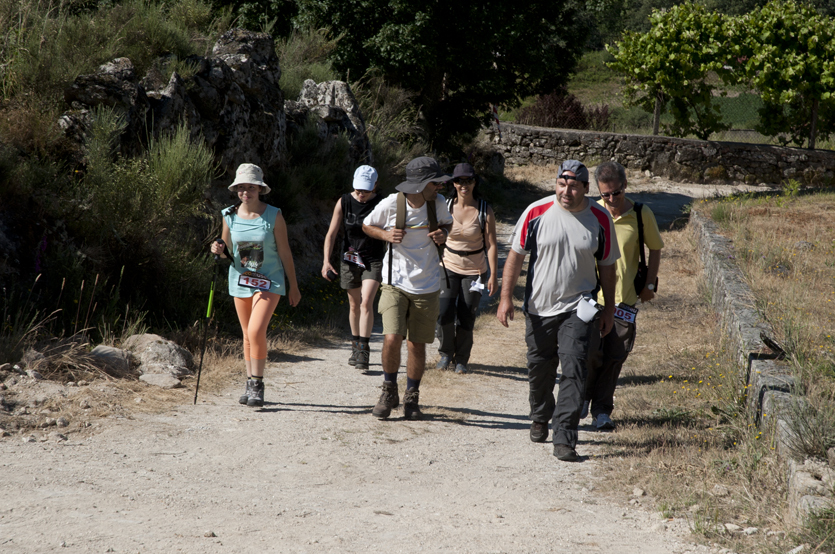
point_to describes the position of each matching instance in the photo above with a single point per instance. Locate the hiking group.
(432, 260)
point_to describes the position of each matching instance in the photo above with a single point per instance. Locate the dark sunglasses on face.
(464, 181)
(612, 194)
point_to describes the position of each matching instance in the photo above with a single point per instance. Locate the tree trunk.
(656, 116)
(814, 127)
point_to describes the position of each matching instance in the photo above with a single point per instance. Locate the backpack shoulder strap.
(432, 215)
(637, 207)
(400, 217)
(399, 223)
(450, 203)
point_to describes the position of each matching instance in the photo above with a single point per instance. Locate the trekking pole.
(206, 323)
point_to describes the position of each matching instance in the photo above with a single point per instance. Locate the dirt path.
(313, 471)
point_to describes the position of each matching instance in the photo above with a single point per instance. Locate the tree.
(671, 64)
(790, 51)
(458, 57)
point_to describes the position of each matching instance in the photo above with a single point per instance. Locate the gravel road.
(313, 471)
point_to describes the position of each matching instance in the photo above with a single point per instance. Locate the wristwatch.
(651, 287)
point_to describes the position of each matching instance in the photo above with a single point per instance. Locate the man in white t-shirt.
(409, 298)
(571, 241)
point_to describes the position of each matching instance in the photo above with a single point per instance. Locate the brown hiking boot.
(389, 400)
(411, 410)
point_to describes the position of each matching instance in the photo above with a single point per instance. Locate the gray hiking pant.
(606, 359)
(561, 339)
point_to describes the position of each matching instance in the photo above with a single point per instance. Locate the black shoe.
(361, 361)
(565, 453)
(539, 432)
(355, 347)
(411, 410)
(245, 396)
(389, 400)
(256, 395)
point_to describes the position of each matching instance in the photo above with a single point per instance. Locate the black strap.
(637, 207)
(465, 253)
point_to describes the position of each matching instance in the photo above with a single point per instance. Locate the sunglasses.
(360, 191)
(612, 194)
(464, 181)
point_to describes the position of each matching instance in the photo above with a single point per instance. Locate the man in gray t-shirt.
(570, 240)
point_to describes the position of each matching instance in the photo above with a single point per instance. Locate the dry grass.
(681, 436)
(785, 246)
(532, 173)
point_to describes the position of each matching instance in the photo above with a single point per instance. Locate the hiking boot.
(245, 396)
(461, 368)
(565, 453)
(443, 363)
(411, 410)
(363, 353)
(389, 400)
(604, 423)
(355, 347)
(539, 432)
(584, 412)
(256, 395)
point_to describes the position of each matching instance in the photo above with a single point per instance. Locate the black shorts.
(351, 275)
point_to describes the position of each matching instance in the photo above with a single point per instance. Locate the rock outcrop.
(232, 100)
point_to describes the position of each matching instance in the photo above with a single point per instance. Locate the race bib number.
(626, 313)
(354, 258)
(253, 280)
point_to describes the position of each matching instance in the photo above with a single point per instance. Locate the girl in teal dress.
(257, 238)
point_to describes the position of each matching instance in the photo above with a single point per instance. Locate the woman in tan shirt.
(470, 249)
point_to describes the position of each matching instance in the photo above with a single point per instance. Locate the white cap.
(365, 177)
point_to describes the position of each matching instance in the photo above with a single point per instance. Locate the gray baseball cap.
(419, 172)
(580, 171)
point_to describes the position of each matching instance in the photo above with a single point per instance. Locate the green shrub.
(304, 55)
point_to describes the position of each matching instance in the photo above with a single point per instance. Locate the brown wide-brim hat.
(419, 172)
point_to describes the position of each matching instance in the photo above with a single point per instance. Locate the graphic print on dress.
(252, 254)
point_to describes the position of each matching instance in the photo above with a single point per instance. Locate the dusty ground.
(313, 471)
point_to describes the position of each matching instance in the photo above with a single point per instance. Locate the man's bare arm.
(392, 235)
(512, 269)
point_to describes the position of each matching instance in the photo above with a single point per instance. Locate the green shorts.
(409, 315)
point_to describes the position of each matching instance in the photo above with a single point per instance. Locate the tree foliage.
(672, 63)
(789, 50)
(784, 50)
(457, 57)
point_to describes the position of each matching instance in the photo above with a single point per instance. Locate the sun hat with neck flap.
(419, 172)
(249, 174)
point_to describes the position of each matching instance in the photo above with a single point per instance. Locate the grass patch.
(785, 245)
(683, 435)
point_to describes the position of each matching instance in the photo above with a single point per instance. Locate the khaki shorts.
(409, 315)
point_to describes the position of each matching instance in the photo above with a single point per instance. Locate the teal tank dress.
(253, 249)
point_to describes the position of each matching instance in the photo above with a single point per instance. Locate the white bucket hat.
(250, 174)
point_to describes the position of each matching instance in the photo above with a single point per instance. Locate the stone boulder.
(165, 380)
(232, 100)
(116, 86)
(115, 360)
(160, 356)
(336, 110)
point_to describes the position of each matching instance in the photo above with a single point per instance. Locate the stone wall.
(769, 381)
(695, 161)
